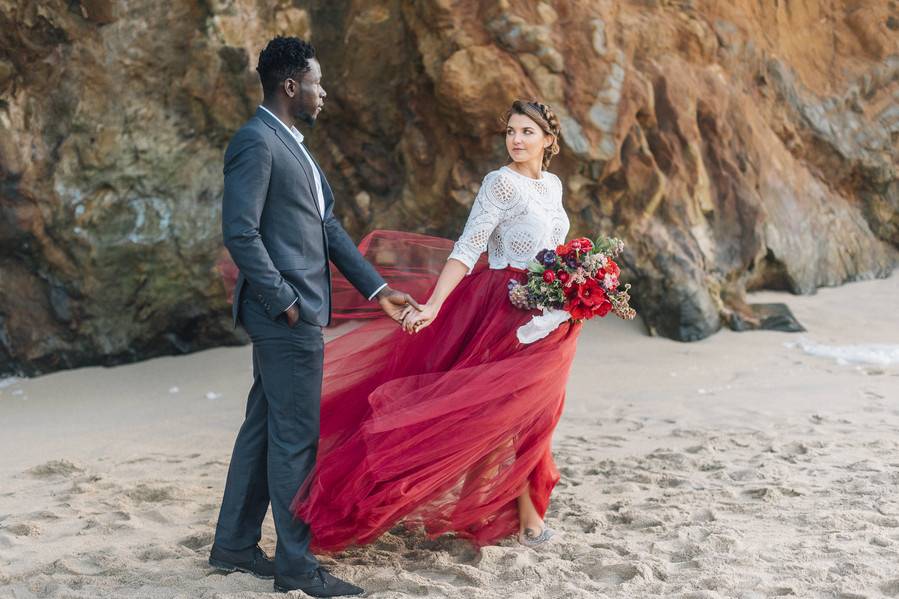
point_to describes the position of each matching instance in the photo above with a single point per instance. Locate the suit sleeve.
(346, 257)
(248, 165)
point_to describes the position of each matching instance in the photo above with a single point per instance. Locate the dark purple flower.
(549, 257)
(541, 255)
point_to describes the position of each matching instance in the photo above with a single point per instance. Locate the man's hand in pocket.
(293, 314)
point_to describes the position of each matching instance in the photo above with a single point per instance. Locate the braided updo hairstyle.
(543, 115)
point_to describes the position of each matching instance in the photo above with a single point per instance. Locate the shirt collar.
(292, 130)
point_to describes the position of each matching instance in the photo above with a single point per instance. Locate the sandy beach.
(747, 465)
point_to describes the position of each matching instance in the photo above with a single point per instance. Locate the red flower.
(562, 275)
(602, 308)
(580, 309)
(590, 293)
(612, 268)
(563, 250)
(581, 244)
(549, 276)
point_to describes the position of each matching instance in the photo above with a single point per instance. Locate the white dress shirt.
(319, 194)
(295, 133)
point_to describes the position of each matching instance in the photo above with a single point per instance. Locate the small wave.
(8, 382)
(873, 353)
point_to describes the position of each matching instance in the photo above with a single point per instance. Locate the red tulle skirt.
(443, 429)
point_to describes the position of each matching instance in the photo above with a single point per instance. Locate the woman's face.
(525, 140)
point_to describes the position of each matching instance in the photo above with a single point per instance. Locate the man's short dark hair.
(283, 58)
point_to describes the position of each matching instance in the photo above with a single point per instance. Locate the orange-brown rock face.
(733, 146)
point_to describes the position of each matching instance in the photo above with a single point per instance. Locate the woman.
(450, 428)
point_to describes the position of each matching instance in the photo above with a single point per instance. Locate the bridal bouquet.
(577, 281)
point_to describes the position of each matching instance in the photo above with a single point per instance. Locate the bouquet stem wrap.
(541, 326)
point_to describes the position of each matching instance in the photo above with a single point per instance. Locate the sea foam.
(872, 353)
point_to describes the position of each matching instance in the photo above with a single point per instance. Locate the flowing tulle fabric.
(409, 261)
(441, 430)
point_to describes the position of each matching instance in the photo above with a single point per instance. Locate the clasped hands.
(399, 306)
(403, 309)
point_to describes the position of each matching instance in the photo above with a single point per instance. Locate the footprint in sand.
(620, 550)
(84, 484)
(197, 540)
(616, 574)
(890, 588)
(771, 493)
(154, 516)
(146, 493)
(443, 569)
(496, 559)
(634, 520)
(54, 468)
(569, 511)
(215, 463)
(157, 554)
(43, 516)
(22, 529)
(748, 474)
(89, 564)
(704, 515)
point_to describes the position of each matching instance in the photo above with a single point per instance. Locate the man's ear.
(290, 87)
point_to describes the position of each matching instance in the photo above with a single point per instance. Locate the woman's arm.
(495, 199)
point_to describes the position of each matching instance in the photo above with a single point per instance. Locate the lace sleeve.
(495, 199)
(560, 223)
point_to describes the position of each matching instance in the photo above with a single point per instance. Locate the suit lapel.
(293, 146)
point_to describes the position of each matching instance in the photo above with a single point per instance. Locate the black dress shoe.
(318, 583)
(252, 561)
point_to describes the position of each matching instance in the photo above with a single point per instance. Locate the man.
(279, 226)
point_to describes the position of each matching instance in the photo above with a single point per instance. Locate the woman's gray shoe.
(529, 538)
(252, 561)
(318, 583)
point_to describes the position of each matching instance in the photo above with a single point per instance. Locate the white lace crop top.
(513, 217)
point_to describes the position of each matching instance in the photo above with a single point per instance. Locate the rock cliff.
(734, 146)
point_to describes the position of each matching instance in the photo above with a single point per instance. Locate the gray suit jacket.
(273, 229)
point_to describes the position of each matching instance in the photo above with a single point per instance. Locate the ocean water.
(874, 353)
